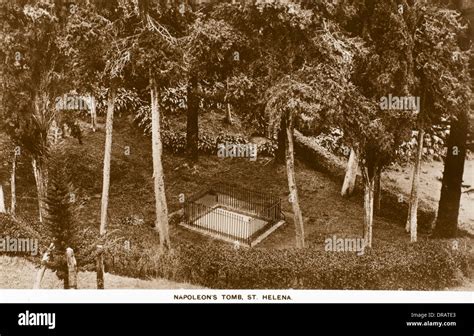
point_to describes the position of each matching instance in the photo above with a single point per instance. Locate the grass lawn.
(18, 273)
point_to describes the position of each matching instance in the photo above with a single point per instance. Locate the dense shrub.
(427, 265)
(11, 228)
(175, 142)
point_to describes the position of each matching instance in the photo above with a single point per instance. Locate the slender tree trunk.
(72, 268)
(377, 191)
(368, 208)
(105, 184)
(448, 209)
(2, 201)
(411, 225)
(107, 160)
(41, 186)
(161, 208)
(13, 186)
(228, 117)
(93, 115)
(290, 169)
(192, 122)
(281, 141)
(351, 174)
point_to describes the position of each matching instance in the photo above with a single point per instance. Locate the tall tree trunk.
(41, 186)
(192, 121)
(351, 174)
(13, 186)
(377, 191)
(411, 225)
(368, 208)
(93, 115)
(290, 170)
(105, 184)
(281, 142)
(228, 117)
(161, 208)
(368, 213)
(448, 208)
(2, 200)
(107, 160)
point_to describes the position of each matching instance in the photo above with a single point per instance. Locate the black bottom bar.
(332, 319)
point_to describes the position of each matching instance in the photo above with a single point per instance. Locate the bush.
(13, 228)
(175, 142)
(427, 265)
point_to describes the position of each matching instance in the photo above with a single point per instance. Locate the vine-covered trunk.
(290, 170)
(411, 225)
(161, 208)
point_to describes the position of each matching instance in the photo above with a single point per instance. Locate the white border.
(192, 296)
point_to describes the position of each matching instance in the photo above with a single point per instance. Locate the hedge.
(175, 142)
(426, 265)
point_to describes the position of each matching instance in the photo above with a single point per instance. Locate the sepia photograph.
(199, 145)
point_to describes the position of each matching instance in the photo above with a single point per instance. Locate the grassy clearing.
(18, 273)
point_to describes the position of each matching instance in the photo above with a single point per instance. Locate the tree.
(288, 100)
(32, 67)
(158, 58)
(440, 81)
(381, 69)
(210, 51)
(60, 216)
(448, 208)
(101, 25)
